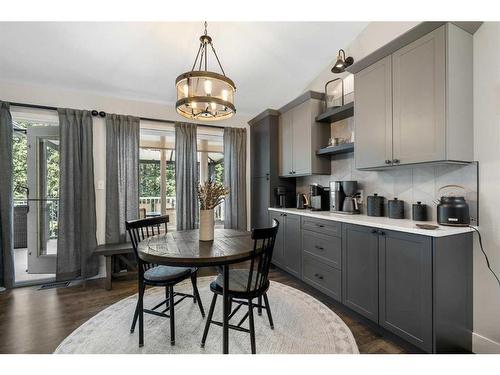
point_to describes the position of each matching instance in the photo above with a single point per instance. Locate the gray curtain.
(6, 209)
(77, 216)
(122, 174)
(235, 177)
(186, 176)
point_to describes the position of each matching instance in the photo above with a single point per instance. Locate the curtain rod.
(50, 108)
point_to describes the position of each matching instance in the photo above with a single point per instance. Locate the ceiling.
(270, 63)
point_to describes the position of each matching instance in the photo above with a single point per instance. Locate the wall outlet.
(100, 185)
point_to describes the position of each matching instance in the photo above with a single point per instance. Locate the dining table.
(184, 249)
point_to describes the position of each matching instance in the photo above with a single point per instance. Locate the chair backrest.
(264, 239)
(141, 229)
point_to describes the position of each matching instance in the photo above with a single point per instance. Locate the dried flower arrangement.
(211, 194)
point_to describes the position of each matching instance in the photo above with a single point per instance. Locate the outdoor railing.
(153, 204)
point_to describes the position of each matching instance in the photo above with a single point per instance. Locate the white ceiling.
(270, 63)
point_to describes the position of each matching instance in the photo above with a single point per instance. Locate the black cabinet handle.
(395, 161)
(317, 275)
(320, 225)
(374, 231)
(388, 162)
(319, 247)
(381, 233)
(284, 214)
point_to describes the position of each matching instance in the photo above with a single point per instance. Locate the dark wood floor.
(36, 321)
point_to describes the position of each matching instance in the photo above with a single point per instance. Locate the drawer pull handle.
(318, 276)
(320, 225)
(319, 247)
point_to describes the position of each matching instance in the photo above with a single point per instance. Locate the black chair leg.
(172, 317)
(197, 295)
(259, 308)
(252, 328)
(268, 309)
(136, 315)
(140, 306)
(209, 320)
(167, 297)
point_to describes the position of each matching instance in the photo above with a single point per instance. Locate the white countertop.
(402, 225)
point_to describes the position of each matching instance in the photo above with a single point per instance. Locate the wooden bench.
(111, 252)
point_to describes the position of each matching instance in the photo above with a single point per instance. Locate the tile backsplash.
(411, 184)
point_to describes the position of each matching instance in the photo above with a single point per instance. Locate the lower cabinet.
(405, 287)
(287, 253)
(323, 277)
(360, 270)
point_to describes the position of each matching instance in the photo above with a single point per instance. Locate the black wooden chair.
(158, 275)
(247, 284)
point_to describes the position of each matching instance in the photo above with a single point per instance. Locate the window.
(157, 168)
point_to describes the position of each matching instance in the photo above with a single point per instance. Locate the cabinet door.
(260, 201)
(286, 143)
(302, 153)
(260, 148)
(292, 249)
(419, 100)
(278, 244)
(373, 115)
(360, 270)
(406, 287)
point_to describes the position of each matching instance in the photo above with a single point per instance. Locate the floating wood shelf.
(335, 150)
(336, 113)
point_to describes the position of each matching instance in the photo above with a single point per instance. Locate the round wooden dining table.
(183, 248)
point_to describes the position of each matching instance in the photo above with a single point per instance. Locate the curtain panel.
(235, 177)
(122, 174)
(77, 214)
(186, 176)
(6, 205)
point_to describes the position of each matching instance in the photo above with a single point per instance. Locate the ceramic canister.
(419, 212)
(396, 209)
(375, 205)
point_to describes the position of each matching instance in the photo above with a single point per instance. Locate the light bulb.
(213, 106)
(193, 104)
(185, 90)
(225, 95)
(207, 84)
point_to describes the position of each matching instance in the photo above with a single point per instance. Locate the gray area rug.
(302, 325)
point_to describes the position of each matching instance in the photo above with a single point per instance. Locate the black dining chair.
(246, 284)
(158, 275)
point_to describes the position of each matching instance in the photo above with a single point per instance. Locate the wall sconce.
(342, 62)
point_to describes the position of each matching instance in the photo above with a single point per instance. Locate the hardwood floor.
(36, 321)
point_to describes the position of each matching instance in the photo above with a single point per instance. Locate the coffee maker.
(343, 197)
(319, 197)
(280, 195)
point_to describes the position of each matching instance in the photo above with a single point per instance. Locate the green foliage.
(20, 165)
(149, 178)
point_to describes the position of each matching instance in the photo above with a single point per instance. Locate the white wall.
(56, 97)
(487, 152)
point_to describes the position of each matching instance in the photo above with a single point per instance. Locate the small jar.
(375, 205)
(419, 212)
(396, 209)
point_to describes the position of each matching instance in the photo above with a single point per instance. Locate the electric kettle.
(452, 209)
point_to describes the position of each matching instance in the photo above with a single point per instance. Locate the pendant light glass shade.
(202, 94)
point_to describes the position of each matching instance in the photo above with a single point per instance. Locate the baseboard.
(484, 345)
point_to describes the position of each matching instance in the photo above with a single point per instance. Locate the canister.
(419, 212)
(375, 205)
(396, 209)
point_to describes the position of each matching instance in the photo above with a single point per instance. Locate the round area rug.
(302, 324)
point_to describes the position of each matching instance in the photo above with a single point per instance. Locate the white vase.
(207, 225)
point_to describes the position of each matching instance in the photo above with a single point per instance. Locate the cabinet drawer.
(331, 228)
(323, 277)
(328, 248)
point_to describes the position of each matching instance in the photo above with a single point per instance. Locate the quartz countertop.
(401, 225)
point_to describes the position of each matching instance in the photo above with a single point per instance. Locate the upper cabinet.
(300, 136)
(415, 105)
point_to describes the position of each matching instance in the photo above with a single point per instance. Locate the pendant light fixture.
(203, 94)
(342, 62)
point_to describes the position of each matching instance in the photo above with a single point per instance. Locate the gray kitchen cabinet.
(422, 111)
(419, 100)
(287, 253)
(279, 242)
(373, 115)
(405, 286)
(360, 270)
(300, 137)
(264, 168)
(323, 277)
(292, 245)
